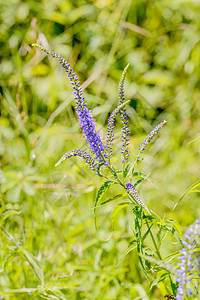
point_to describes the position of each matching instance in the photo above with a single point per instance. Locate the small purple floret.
(77, 152)
(132, 190)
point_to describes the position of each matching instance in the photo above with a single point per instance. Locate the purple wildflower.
(85, 118)
(132, 190)
(189, 264)
(110, 134)
(77, 152)
(150, 136)
(124, 118)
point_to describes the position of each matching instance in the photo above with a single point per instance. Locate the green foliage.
(49, 246)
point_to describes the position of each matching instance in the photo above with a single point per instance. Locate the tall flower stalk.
(189, 263)
(149, 137)
(77, 152)
(86, 120)
(102, 152)
(124, 118)
(110, 129)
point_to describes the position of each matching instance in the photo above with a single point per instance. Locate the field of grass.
(50, 247)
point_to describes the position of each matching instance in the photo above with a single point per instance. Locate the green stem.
(153, 240)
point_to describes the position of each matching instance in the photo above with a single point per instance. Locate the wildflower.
(77, 152)
(110, 134)
(124, 118)
(85, 118)
(189, 264)
(150, 136)
(132, 190)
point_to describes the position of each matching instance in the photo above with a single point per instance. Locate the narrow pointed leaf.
(109, 200)
(101, 191)
(189, 190)
(138, 211)
(117, 210)
(144, 176)
(131, 247)
(33, 263)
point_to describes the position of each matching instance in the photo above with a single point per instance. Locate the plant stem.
(153, 240)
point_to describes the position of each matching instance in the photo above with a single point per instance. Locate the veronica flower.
(111, 121)
(132, 190)
(124, 118)
(149, 137)
(189, 262)
(85, 118)
(77, 152)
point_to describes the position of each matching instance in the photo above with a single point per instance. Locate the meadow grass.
(50, 247)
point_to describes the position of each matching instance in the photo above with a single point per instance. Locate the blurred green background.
(161, 41)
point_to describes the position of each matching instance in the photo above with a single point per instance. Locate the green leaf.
(128, 169)
(144, 176)
(114, 173)
(117, 209)
(138, 211)
(109, 200)
(101, 191)
(146, 233)
(159, 279)
(161, 234)
(8, 258)
(189, 190)
(174, 232)
(38, 271)
(98, 169)
(9, 213)
(138, 182)
(131, 247)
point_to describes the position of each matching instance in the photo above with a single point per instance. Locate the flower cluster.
(150, 136)
(85, 118)
(110, 134)
(132, 190)
(77, 152)
(124, 118)
(189, 264)
(102, 152)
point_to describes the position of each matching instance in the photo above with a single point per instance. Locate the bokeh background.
(161, 41)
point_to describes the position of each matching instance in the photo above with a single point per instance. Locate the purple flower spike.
(110, 134)
(77, 152)
(124, 118)
(189, 265)
(132, 190)
(86, 120)
(149, 137)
